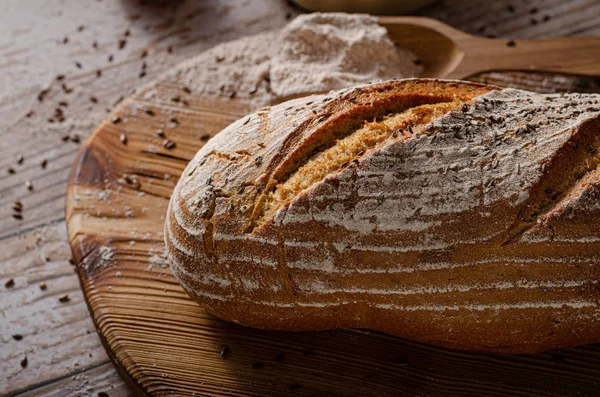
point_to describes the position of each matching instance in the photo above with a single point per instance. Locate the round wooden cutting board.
(164, 344)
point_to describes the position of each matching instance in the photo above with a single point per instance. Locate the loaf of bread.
(446, 212)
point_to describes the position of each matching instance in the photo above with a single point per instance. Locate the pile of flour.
(323, 52)
(314, 53)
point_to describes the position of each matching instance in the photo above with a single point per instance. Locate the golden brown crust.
(471, 233)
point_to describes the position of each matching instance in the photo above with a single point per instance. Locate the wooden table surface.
(82, 57)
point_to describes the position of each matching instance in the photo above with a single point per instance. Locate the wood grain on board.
(33, 55)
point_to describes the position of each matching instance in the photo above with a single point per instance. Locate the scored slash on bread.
(446, 212)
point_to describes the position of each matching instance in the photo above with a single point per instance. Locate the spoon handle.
(572, 55)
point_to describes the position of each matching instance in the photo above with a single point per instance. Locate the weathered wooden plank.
(102, 378)
(520, 19)
(56, 337)
(168, 35)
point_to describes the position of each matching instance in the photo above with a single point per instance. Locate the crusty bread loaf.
(446, 212)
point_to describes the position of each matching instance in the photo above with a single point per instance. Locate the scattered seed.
(42, 286)
(246, 121)
(64, 299)
(534, 10)
(95, 44)
(308, 352)
(144, 54)
(533, 21)
(204, 137)
(150, 112)
(258, 160)
(102, 394)
(43, 164)
(557, 356)
(122, 44)
(75, 138)
(29, 114)
(185, 103)
(9, 283)
(66, 89)
(546, 18)
(72, 261)
(98, 73)
(65, 40)
(24, 362)
(110, 58)
(417, 62)
(17, 206)
(93, 99)
(253, 90)
(511, 43)
(20, 159)
(219, 58)
(510, 8)
(294, 387)
(168, 144)
(60, 77)
(123, 139)
(187, 90)
(17, 216)
(65, 138)
(11, 171)
(225, 352)
(176, 99)
(232, 94)
(29, 185)
(142, 75)
(42, 94)
(160, 133)
(131, 181)
(116, 120)
(127, 33)
(170, 49)
(17, 337)
(80, 28)
(257, 365)
(63, 104)
(78, 65)
(401, 361)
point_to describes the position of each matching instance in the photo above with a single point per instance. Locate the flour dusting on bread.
(476, 228)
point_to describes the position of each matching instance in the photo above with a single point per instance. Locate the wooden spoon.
(450, 53)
